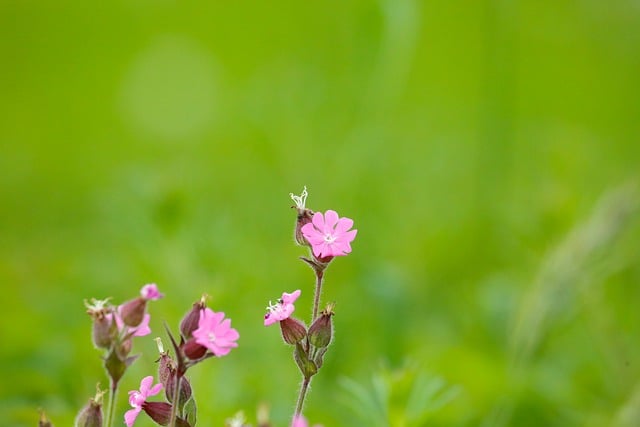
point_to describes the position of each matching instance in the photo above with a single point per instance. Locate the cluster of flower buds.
(114, 328)
(310, 343)
(203, 334)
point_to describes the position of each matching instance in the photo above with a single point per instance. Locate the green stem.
(112, 403)
(176, 400)
(316, 296)
(303, 393)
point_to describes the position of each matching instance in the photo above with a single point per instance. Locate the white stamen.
(159, 344)
(300, 200)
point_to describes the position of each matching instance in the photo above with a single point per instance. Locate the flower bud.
(132, 312)
(190, 321)
(160, 412)
(193, 350)
(321, 330)
(184, 393)
(103, 331)
(293, 330)
(91, 414)
(304, 217)
(166, 369)
(103, 328)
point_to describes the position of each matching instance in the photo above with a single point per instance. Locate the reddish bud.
(293, 330)
(132, 312)
(166, 369)
(190, 321)
(321, 331)
(184, 393)
(193, 350)
(91, 414)
(160, 412)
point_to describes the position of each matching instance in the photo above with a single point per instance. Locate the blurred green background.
(488, 152)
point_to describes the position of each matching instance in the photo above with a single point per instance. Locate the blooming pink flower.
(138, 397)
(329, 235)
(150, 292)
(282, 309)
(215, 332)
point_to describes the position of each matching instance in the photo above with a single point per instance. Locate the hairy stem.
(176, 400)
(318, 290)
(303, 393)
(113, 389)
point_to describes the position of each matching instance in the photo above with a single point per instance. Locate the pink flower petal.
(330, 220)
(131, 415)
(343, 225)
(318, 221)
(292, 297)
(145, 384)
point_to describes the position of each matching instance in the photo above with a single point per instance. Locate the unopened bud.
(184, 393)
(132, 312)
(193, 350)
(293, 330)
(321, 330)
(190, 321)
(160, 412)
(91, 414)
(166, 369)
(103, 329)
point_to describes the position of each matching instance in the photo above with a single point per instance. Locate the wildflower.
(137, 398)
(150, 292)
(329, 235)
(215, 332)
(282, 310)
(304, 216)
(293, 330)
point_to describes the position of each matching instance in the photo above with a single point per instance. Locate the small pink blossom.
(329, 235)
(282, 309)
(300, 421)
(215, 332)
(138, 397)
(150, 292)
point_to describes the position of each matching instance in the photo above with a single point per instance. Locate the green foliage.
(482, 148)
(398, 398)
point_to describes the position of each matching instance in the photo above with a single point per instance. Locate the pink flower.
(138, 397)
(300, 421)
(150, 292)
(215, 332)
(329, 234)
(282, 309)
